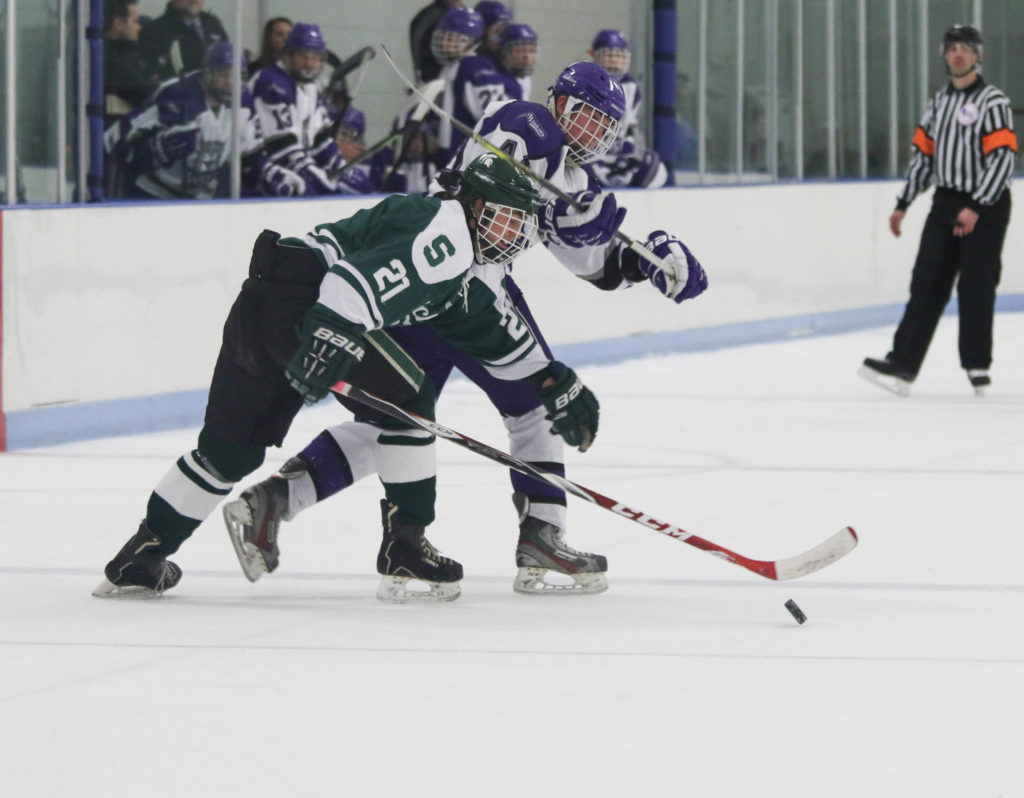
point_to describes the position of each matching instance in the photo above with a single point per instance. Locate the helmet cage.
(589, 131)
(520, 57)
(503, 232)
(449, 46)
(614, 60)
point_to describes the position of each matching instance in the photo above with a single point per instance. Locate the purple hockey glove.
(687, 278)
(593, 226)
(281, 182)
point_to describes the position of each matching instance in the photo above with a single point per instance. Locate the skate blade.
(531, 581)
(981, 391)
(236, 516)
(893, 385)
(406, 590)
(107, 589)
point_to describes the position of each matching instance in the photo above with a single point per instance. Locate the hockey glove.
(572, 408)
(281, 182)
(687, 278)
(330, 347)
(593, 226)
(170, 145)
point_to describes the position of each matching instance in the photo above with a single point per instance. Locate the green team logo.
(438, 250)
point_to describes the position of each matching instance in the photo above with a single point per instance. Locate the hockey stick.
(631, 243)
(419, 111)
(814, 559)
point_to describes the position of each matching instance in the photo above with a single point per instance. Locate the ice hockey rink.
(687, 678)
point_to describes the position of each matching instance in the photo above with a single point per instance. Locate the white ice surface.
(687, 678)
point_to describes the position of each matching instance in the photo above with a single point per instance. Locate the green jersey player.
(311, 313)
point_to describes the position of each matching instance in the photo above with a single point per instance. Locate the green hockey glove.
(330, 347)
(572, 407)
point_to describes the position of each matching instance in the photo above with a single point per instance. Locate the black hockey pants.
(941, 259)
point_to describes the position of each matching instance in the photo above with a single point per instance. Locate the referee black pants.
(941, 259)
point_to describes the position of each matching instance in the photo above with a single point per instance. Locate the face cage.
(518, 53)
(503, 232)
(221, 95)
(306, 75)
(582, 119)
(613, 60)
(449, 46)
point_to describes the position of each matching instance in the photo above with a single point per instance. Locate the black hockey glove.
(572, 408)
(330, 347)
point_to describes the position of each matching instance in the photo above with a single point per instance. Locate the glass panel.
(721, 93)
(39, 81)
(788, 86)
(687, 80)
(879, 69)
(1002, 30)
(4, 11)
(757, 94)
(815, 70)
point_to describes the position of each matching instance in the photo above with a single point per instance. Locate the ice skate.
(980, 381)
(542, 551)
(253, 520)
(408, 563)
(887, 376)
(140, 569)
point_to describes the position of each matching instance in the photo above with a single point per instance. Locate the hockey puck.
(795, 611)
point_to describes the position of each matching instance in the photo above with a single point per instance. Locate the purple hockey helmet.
(304, 51)
(217, 59)
(306, 36)
(594, 108)
(611, 51)
(519, 49)
(492, 12)
(457, 32)
(353, 123)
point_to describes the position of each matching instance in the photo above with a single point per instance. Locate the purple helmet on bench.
(304, 51)
(611, 51)
(456, 34)
(593, 109)
(519, 49)
(217, 70)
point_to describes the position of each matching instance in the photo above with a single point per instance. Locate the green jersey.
(410, 260)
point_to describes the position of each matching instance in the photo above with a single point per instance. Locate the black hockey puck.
(795, 611)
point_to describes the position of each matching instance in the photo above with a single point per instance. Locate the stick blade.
(825, 553)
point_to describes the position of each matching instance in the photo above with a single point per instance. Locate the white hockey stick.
(633, 244)
(825, 553)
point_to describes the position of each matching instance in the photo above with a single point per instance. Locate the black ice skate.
(886, 375)
(140, 569)
(979, 380)
(407, 557)
(542, 550)
(253, 520)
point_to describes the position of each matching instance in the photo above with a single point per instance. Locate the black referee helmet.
(961, 34)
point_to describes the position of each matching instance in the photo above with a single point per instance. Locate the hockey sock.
(407, 465)
(530, 440)
(183, 499)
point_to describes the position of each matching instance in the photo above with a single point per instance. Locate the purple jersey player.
(178, 145)
(295, 119)
(579, 124)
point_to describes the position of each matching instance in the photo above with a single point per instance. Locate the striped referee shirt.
(966, 143)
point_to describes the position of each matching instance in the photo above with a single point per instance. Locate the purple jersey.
(472, 84)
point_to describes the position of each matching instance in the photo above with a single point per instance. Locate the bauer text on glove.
(572, 408)
(330, 347)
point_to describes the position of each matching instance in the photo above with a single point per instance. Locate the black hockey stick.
(825, 553)
(631, 243)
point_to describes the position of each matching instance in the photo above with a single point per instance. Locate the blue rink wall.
(112, 314)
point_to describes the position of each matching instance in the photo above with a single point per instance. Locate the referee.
(965, 144)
